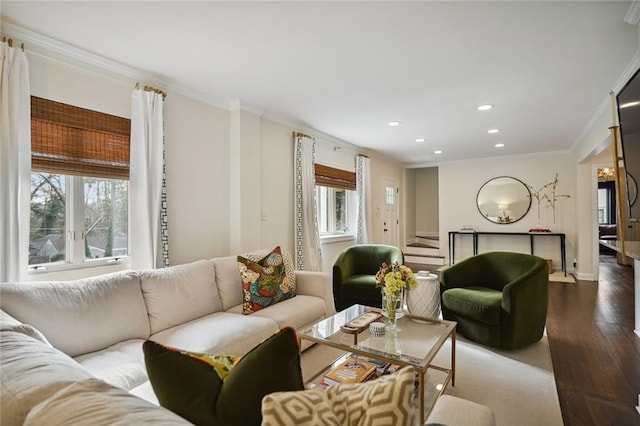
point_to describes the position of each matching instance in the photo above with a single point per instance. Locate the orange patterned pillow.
(265, 281)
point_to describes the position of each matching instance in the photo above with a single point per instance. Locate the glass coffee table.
(415, 343)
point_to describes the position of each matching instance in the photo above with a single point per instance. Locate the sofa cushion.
(93, 402)
(31, 372)
(9, 323)
(90, 314)
(221, 332)
(386, 401)
(296, 312)
(180, 293)
(264, 282)
(477, 303)
(121, 365)
(192, 388)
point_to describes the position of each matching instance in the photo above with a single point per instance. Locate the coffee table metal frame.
(422, 338)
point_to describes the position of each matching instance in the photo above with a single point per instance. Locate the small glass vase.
(393, 307)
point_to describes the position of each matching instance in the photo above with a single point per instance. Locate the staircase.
(424, 250)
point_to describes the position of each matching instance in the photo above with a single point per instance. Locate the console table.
(476, 234)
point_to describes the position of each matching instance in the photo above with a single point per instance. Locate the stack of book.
(357, 369)
(351, 370)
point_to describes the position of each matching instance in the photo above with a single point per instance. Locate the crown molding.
(605, 104)
(237, 104)
(47, 47)
(633, 14)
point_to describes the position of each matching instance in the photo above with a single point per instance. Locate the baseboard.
(586, 277)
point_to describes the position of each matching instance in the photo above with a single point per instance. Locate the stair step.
(424, 259)
(427, 241)
(421, 250)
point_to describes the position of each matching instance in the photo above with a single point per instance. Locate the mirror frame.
(529, 197)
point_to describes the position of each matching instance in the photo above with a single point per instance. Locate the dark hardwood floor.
(595, 353)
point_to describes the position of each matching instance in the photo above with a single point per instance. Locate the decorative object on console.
(394, 279)
(265, 281)
(551, 199)
(387, 400)
(191, 386)
(539, 230)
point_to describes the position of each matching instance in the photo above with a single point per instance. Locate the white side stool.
(454, 411)
(424, 300)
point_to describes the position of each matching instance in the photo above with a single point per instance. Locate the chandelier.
(606, 173)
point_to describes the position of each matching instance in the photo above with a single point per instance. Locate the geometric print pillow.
(265, 281)
(388, 400)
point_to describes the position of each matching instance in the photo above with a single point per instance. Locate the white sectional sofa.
(94, 329)
(71, 351)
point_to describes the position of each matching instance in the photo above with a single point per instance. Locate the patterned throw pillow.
(221, 390)
(266, 281)
(388, 400)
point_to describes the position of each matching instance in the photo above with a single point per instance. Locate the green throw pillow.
(190, 384)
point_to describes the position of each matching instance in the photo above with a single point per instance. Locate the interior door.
(390, 212)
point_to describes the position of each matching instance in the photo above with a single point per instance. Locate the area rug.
(517, 385)
(558, 277)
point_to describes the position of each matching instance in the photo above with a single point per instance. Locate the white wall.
(426, 195)
(459, 185)
(197, 152)
(229, 173)
(410, 205)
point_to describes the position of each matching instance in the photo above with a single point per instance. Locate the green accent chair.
(498, 299)
(354, 274)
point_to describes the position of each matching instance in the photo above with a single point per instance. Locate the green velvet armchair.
(498, 299)
(354, 274)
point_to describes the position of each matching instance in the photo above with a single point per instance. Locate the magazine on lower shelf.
(351, 370)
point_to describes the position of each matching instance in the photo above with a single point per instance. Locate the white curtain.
(307, 239)
(146, 194)
(363, 194)
(15, 164)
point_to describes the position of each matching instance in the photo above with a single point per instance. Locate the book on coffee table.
(351, 370)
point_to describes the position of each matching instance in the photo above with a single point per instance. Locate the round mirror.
(503, 200)
(632, 188)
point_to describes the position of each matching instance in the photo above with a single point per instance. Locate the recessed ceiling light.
(394, 123)
(437, 151)
(485, 107)
(493, 131)
(630, 104)
(499, 145)
(420, 140)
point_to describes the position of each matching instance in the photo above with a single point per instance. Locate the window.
(336, 200)
(79, 185)
(606, 203)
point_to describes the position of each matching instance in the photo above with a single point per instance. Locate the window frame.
(333, 180)
(78, 143)
(74, 234)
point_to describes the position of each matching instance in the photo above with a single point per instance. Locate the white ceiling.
(347, 68)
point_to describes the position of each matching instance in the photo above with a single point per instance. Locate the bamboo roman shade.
(70, 140)
(336, 178)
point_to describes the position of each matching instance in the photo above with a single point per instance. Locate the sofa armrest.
(316, 284)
